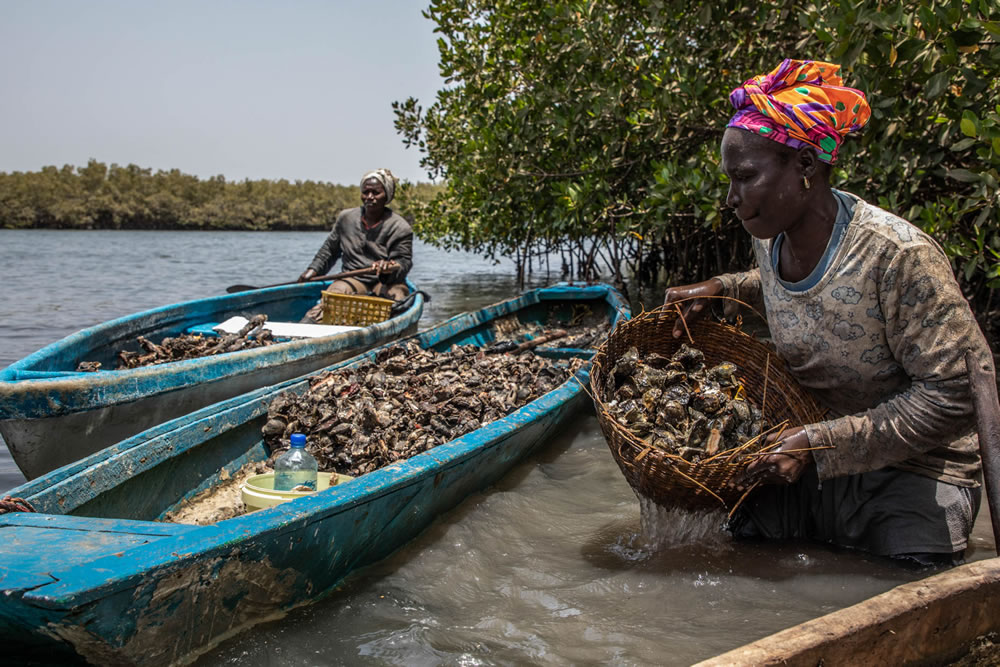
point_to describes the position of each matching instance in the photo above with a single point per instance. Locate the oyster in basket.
(680, 405)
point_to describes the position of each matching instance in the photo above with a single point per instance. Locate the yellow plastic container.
(354, 310)
(258, 491)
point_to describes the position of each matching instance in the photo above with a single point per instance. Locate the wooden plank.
(931, 621)
(93, 524)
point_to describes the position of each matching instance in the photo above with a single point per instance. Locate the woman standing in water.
(370, 236)
(866, 311)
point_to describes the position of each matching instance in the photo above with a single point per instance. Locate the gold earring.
(805, 179)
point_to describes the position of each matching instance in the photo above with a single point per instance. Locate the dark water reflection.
(549, 566)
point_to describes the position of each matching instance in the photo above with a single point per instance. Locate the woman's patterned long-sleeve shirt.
(880, 340)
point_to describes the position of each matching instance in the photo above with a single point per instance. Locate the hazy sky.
(283, 89)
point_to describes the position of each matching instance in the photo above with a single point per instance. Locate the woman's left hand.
(783, 465)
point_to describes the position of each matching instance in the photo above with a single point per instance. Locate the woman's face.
(765, 190)
(373, 194)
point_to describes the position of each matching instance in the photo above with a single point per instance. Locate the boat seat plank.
(93, 524)
(27, 548)
(31, 551)
(14, 579)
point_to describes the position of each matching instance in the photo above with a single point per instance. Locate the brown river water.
(556, 564)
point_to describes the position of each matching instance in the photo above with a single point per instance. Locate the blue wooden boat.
(97, 573)
(51, 414)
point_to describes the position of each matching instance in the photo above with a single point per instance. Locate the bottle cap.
(298, 440)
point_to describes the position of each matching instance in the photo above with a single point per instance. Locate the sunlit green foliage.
(592, 128)
(100, 197)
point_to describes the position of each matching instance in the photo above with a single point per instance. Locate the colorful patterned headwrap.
(800, 103)
(385, 177)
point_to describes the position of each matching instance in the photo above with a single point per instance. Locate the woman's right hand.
(306, 275)
(384, 266)
(694, 299)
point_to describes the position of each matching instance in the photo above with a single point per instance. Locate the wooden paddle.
(335, 276)
(983, 384)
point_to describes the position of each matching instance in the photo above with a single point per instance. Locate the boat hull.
(51, 416)
(188, 604)
(123, 589)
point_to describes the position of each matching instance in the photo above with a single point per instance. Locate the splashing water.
(664, 528)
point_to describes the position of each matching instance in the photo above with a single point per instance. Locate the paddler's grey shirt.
(880, 338)
(360, 248)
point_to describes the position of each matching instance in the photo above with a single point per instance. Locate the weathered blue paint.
(95, 574)
(51, 415)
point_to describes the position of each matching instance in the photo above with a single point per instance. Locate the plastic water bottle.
(296, 467)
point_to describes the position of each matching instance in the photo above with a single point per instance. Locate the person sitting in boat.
(372, 235)
(865, 309)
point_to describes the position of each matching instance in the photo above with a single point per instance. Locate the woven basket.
(667, 479)
(354, 310)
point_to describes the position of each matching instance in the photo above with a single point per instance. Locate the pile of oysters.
(679, 405)
(189, 346)
(407, 401)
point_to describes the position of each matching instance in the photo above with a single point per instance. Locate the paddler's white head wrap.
(385, 177)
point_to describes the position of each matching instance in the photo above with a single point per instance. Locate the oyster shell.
(679, 405)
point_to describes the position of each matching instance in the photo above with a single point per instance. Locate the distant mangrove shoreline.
(98, 196)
